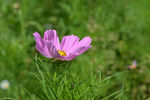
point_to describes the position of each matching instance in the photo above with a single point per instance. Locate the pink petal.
(70, 57)
(86, 41)
(82, 46)
(78, 48)
(38, 39)
(82, 49)
(68, 43)
(40, 45)
(134, 63)
(51, 36)
(52, 49)
(76, 53)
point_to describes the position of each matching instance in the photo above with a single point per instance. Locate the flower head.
(133, 65)
(4, 84)
(69, 48)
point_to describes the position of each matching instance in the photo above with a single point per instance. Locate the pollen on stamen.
(62, 53)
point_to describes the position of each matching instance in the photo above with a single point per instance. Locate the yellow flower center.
(62, 53)
(6, 85)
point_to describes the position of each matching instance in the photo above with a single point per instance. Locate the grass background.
(120, 32)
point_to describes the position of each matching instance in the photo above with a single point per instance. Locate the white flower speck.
(4, 84)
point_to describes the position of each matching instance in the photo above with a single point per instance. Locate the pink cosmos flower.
(69, 48)
(133, 65)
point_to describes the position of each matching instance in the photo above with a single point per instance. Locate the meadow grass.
(120, 33)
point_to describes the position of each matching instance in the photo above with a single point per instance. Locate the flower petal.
(76, 53)
(51, 35)
(40, 45)
(70, 57)
(86, 41)
(38, 39)
(68, 42)
(82, 49)
(52, 49)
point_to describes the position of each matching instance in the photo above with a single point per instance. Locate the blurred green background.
(120, 30)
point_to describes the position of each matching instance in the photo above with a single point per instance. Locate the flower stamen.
(62, 53)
